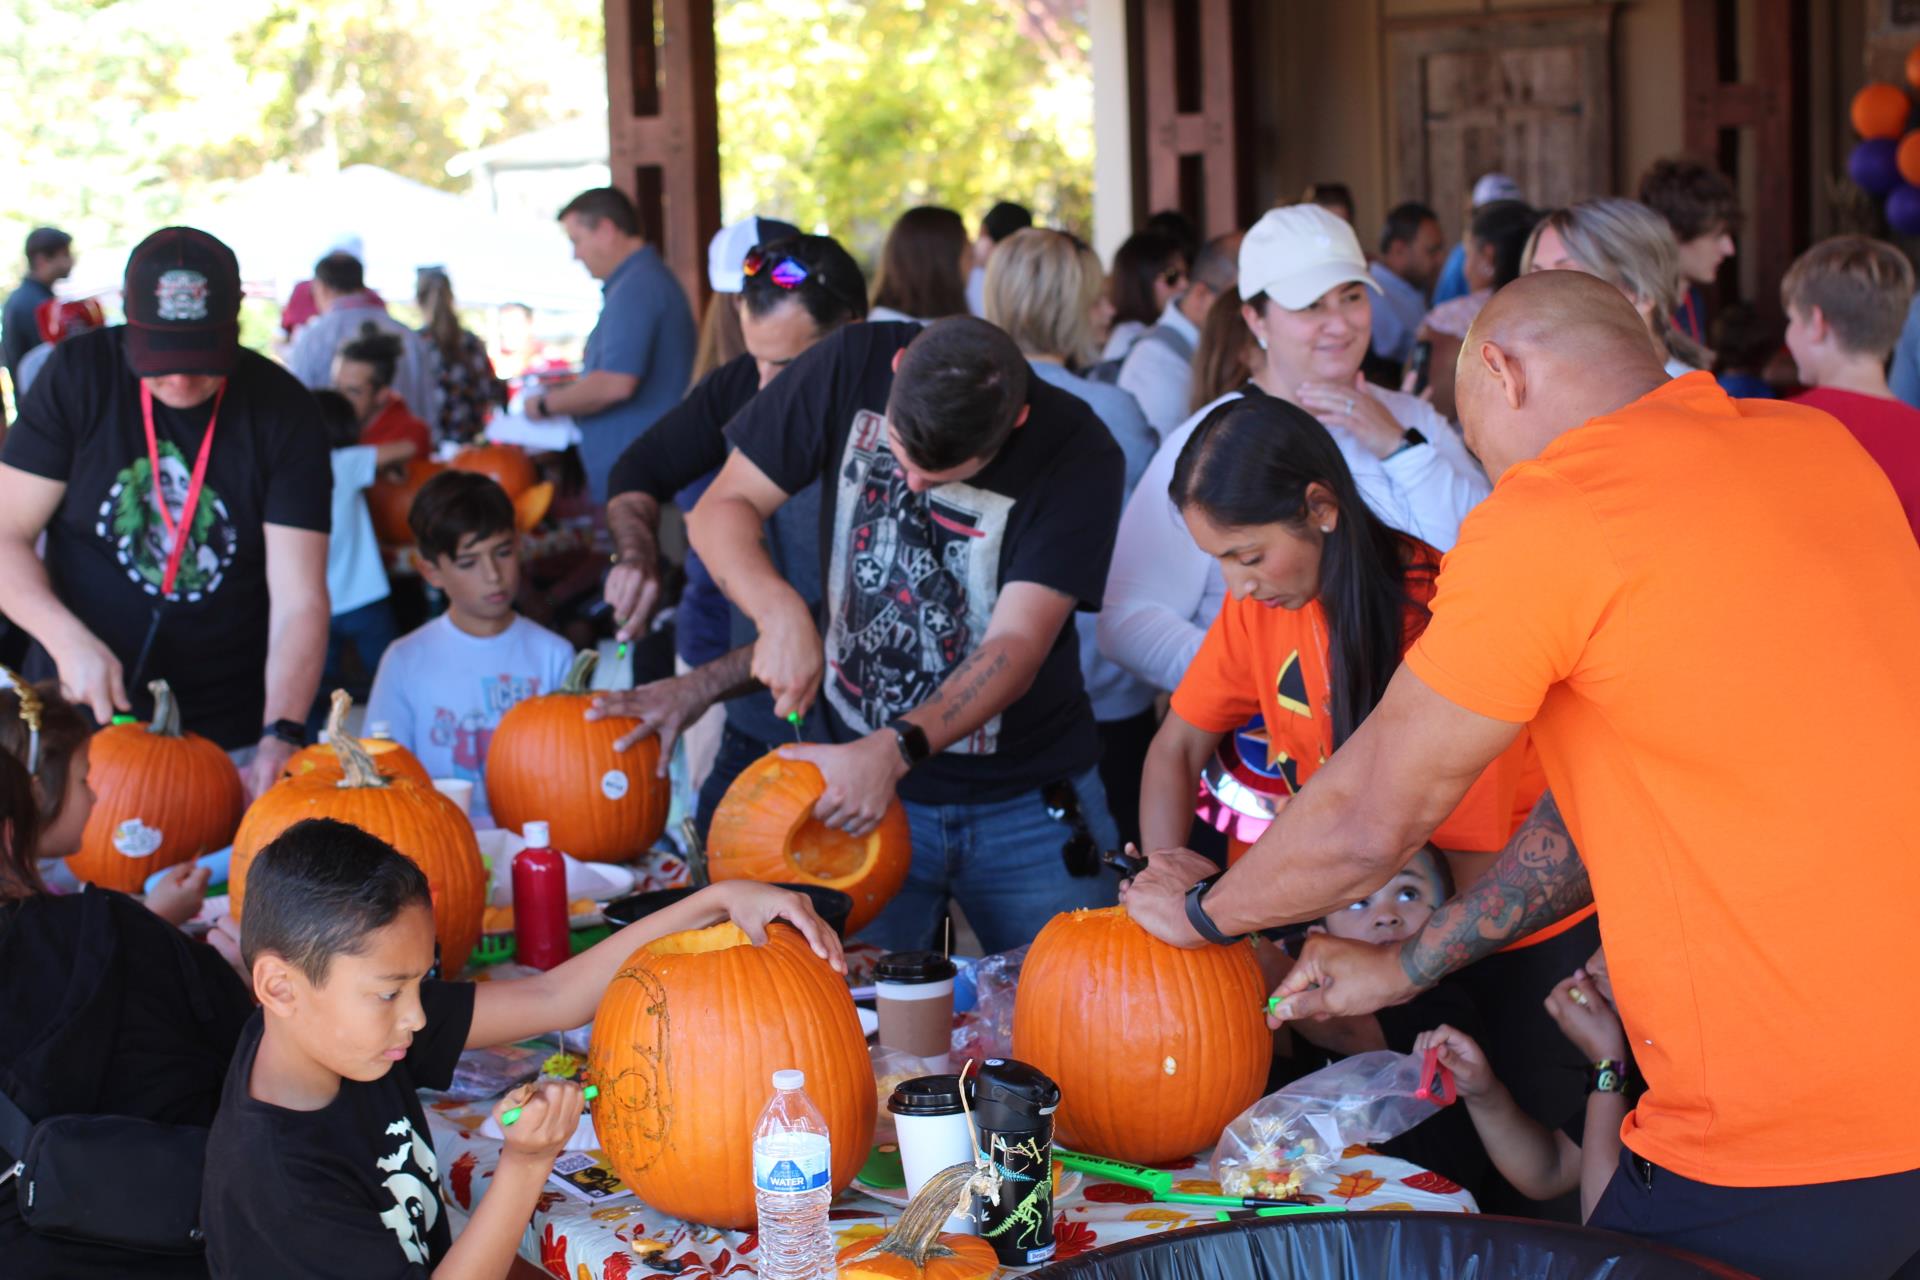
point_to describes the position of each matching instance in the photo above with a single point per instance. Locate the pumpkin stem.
(580, 672)
(166, 711)
(356, 766)
(916, 1237)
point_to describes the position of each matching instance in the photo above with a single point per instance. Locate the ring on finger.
(1578, 996)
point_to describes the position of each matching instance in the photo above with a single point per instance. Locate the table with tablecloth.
(573, 1240)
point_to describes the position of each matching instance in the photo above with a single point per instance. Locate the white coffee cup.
(932, 1132)
(458, 790)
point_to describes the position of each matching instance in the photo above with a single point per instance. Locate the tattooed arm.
(1537, 880)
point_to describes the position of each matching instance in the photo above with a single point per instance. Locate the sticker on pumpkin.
(613, 784)
(1354, 1186)
(136, 839)
(1439, 1184)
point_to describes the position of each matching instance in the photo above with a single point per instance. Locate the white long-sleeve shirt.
(1163, 591)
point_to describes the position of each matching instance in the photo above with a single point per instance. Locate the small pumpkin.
(685, 1044)
(161, 797)
(548, 763)
(764, 829)
(1155, 1048)
(389, 758)
(916, 1249)
(411, 816)
(507, 464)
(389, 501)
(530, 508)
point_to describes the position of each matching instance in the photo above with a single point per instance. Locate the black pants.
(1123, 754)
(1864, 1229)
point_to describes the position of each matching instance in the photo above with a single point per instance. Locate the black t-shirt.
(106, 1009)
(911, 580)
(107, 545)
(349, 1191)
(687, 447)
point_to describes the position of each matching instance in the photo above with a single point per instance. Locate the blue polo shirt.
(645, 331)
(19, 330)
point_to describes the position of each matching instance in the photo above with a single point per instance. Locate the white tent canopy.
(280, 224)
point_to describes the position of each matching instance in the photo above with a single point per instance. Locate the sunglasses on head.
(787, 272)
(1081, 852)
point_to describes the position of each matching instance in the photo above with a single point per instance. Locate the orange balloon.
(1880, 110)
(1907, 158)
(1913, 66)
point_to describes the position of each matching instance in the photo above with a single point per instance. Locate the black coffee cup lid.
(910, 968)
(926, 1096)
(1014, 1085)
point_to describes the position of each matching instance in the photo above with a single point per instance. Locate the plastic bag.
(987, 1030)
(1286, 1137)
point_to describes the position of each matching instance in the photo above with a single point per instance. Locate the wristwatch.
(288, 731)
(1202, 922)
(911, 739)
(1609, 1075)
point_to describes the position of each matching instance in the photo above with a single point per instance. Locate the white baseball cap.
(732, 243)
(1495, 186)
(1295, 254)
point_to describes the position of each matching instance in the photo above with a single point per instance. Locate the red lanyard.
(177, 530)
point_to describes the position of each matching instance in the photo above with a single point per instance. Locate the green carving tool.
(511, 1114)
(1158, 1181)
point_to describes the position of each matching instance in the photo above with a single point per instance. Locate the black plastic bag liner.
(1370, 1246)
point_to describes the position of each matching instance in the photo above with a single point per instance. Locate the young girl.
(105, 1009)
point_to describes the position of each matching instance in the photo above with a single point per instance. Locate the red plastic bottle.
(539, 902)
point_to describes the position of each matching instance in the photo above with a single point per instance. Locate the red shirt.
(396, 422)
(1886, 428)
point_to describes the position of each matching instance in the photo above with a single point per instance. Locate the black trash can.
(1376, 1246)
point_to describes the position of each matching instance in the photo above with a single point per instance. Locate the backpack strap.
(1171, 339)
(15, 1129)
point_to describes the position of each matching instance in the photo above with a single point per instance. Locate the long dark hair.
(920, 271)
(1249, 462)
(61, 734)
(1142, 259)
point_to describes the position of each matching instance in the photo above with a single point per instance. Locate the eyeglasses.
(1081, 852)
(784, 271)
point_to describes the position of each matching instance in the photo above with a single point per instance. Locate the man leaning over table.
(1719, 678)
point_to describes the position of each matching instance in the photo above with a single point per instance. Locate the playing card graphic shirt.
(107, 544)
(911, 579)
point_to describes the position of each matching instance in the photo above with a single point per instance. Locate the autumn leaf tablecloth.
(572, 1240)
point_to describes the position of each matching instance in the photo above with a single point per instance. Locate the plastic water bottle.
(792, 1172)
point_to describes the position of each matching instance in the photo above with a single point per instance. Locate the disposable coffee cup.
(458, 790)
(913, 994)
(932, 1131)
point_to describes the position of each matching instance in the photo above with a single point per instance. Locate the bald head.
(1547, 353)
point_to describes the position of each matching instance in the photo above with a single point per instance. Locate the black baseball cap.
(182, 296)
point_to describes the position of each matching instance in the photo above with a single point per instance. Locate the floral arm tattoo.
(1537, 880)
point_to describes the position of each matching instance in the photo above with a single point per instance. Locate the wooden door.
(1528, 96)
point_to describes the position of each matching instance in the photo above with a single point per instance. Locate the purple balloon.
(1903, 210)
(1872, 166)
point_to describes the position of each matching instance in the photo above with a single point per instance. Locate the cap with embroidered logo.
(182, 298)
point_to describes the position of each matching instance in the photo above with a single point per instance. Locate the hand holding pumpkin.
(549, 1113)
(1156, 898)
(860, 778)
(269, 760)
(91, 675)
(663, 708)
(753, 906)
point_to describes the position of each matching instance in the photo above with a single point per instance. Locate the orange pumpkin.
(161, 797)
(685, 1044)
(411, 816)
(548, 763)
(389, 501)
(508, 464)
(1155, 1048)
(915, 1249)
(764, 829)
(390, 758)
(530, 508)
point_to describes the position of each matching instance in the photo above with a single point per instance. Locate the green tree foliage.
(838, 115)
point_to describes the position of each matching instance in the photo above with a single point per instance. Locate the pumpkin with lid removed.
(389, 757)
(161, 797)
(1183, 1044)
(685, 1044)
(764, 829)
(422, 824)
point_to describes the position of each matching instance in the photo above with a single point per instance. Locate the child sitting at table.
(1542, 1163)
(444, 686)
(319, 1163)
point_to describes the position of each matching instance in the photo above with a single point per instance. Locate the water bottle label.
(793, 1166)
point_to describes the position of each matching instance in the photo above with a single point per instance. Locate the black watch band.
(912, 741)
(290, 731)
(1202, 922)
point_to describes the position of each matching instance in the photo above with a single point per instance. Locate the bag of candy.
(1273, 1146)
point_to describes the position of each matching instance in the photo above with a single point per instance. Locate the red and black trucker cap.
(182, 296)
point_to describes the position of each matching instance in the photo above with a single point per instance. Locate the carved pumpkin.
(915, 1249)
(685, 1044)
(1155, 1048)
(161, 797)
(411, 816)
(390, 758)
(764, 829)
(548, 763)
(389, 501)
(508, 464)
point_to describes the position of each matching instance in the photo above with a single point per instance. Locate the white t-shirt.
(443, 691)
(1163, 591)
(355, 576)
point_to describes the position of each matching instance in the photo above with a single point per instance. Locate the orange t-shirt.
(1708, 610)
(1274, 661)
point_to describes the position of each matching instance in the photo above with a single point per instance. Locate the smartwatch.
(911, 739)
(1202, 922)
(288, 731)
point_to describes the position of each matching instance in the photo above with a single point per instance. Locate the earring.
(1326, 528)
(1262, 341)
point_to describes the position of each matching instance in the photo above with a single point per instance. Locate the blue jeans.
(368, 631)
(1002, 862)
